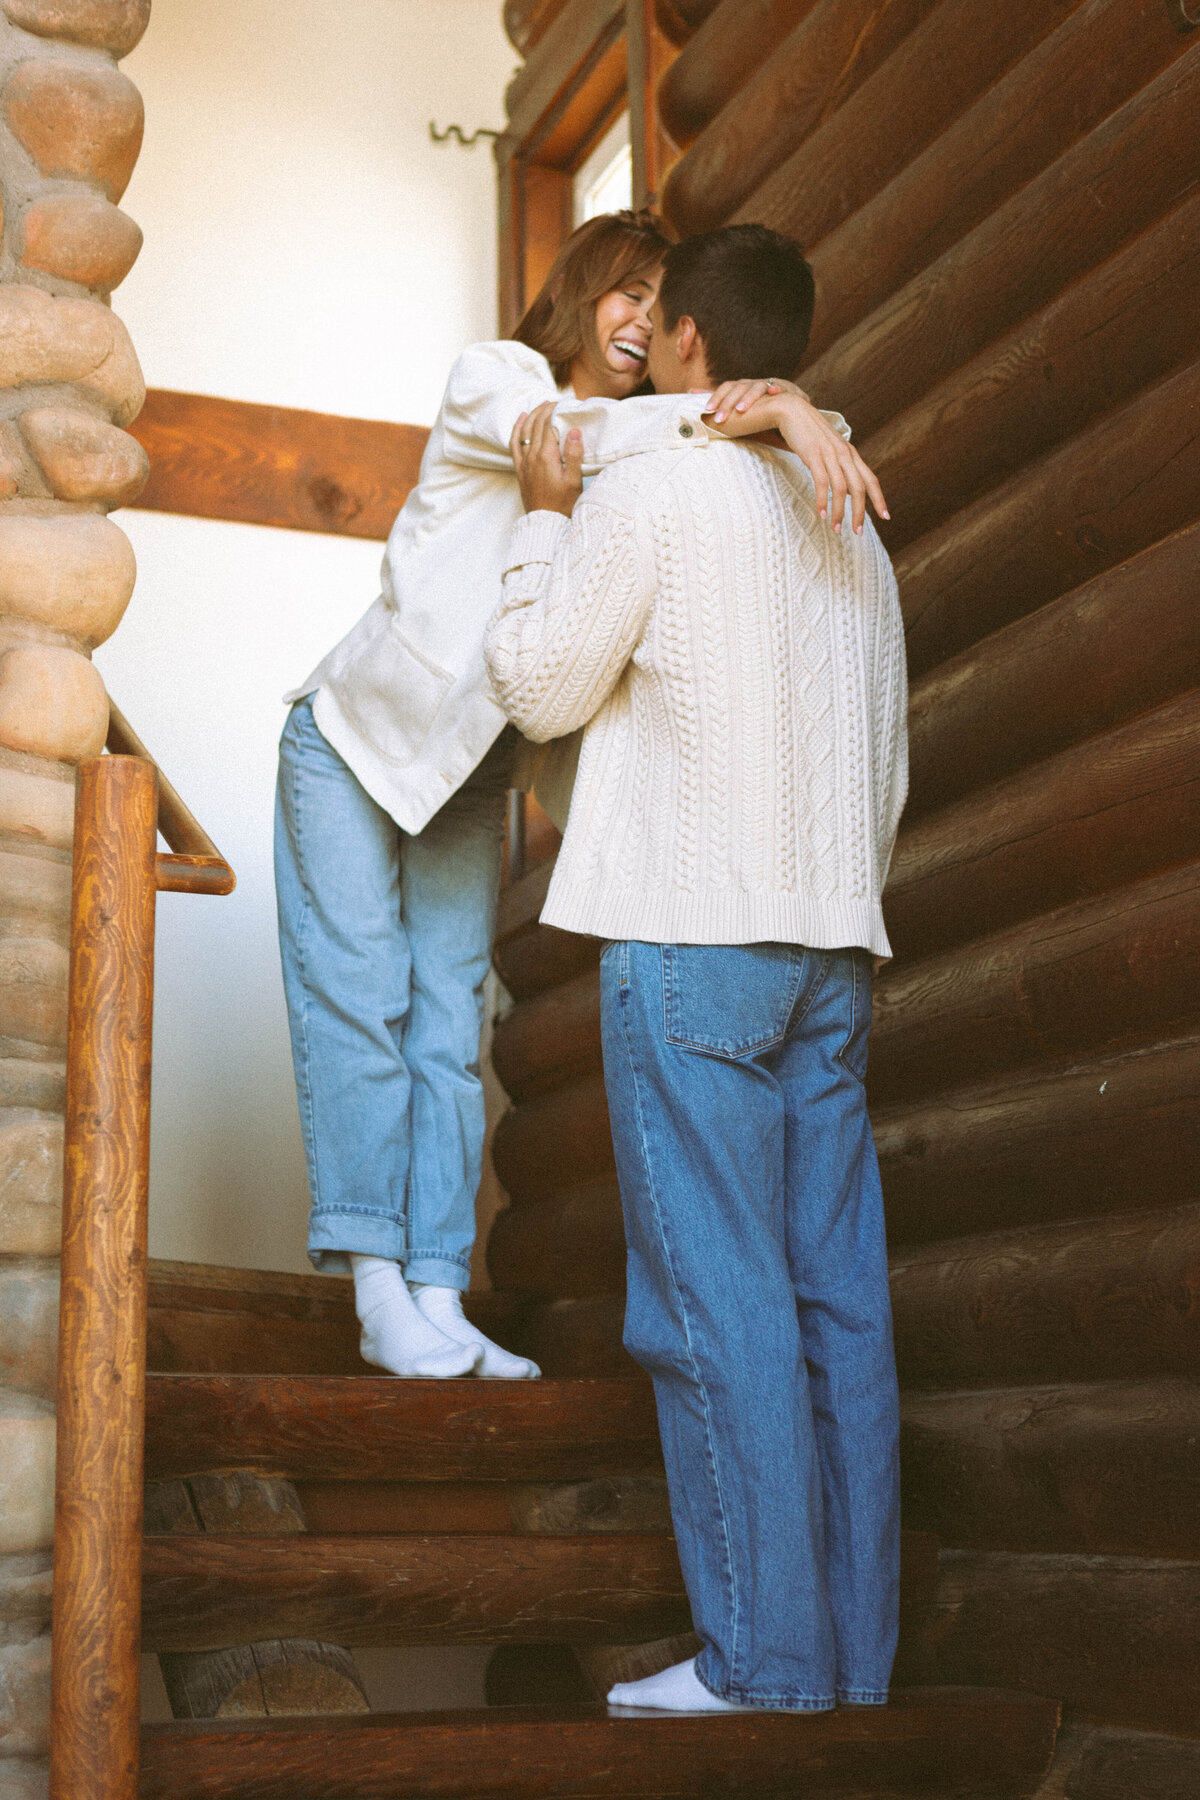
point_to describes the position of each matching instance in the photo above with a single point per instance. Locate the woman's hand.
(551, 480)
(746, 408)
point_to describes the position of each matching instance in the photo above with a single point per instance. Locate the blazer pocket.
(392, 693)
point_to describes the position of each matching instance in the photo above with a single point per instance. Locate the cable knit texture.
(740, 669)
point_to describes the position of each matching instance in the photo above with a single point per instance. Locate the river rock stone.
(73, 571)
(83, 458)
(46, 338)
(26, 1474)
(25, 1697)
(33, 975)
(29, 1327)
(24, 1780)
(80, 237)
(85, 123)
(114, 25)
(38, 808)
(31, 1151)
(52, 703)
(35, 894)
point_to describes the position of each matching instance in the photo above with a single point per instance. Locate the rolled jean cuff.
(862, 1696)
(334, 1237)
(737, 1696)
(433, 1269)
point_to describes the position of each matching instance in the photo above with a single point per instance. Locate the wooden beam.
(571, 1245)
(1096, 1299)
(649, 55)
(1119, 645)
(829, 54)
(275, 465)
(1103, 1467)
(1137, 164)
(734, 41)
(944, 1741)
(1115, 1636)
(531, 957)
(368, 1428)
(868, 237)
(573, 1338)
(581, 53)
(201, 1593)
(275, 1676)
(1117, 1764)
(527, 21)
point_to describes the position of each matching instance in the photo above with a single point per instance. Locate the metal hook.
(456, 131)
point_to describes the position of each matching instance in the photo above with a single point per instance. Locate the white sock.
(442, 1306)
(395, 1336)
(677, 1689)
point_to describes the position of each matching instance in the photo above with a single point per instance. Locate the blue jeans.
(386, 940)
(758, 1301)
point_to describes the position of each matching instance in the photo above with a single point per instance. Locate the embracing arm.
(574, 604)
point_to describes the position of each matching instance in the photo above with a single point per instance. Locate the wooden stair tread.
(935, 1740)
(207, 1590)
(364, 1427)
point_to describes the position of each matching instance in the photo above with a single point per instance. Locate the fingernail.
(858, 531)
(717, 417)
(885, 514)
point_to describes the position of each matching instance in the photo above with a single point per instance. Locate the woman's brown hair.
(599, 256)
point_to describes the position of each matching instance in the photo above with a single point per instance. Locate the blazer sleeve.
(574, 606)
(491, 385)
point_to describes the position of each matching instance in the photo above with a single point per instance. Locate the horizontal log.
(732, 43)
(527, 21)
(275, 465)
(1084, 1301)
(938, 1742)
(1098, 1467)
(572, 1245)
(1115, 1765)
(573, 41)
(567, 1128)
(1095, 1137)
(1116, 1637)
(367, 1428)
(276, 1676)
(677, 19)
(1085, 980)
(573, 1338)
(1118, 645)
(530, 957)
(1134, 167)
(1106, 812)
(202, 1593)
(822, 61)
(869, 237)
(1120, 328)
(1119, 486)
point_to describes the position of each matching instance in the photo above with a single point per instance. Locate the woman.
(394, 765)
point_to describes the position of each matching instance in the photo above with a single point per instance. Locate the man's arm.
(574, 605)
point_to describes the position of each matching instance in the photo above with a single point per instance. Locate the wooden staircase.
(513, 1514)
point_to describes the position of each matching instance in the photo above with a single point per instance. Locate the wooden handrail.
(121, 803)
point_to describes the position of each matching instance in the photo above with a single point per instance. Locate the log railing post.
(101, 1376)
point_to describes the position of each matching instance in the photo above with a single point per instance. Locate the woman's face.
(617, 364)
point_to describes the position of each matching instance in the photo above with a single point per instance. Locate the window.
(604, 183)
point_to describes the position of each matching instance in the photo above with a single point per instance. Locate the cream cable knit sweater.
(740, 668)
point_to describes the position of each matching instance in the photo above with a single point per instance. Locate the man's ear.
(685, 337)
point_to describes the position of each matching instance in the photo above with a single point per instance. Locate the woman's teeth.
(635, 351)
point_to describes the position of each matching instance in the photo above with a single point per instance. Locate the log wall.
(1002, 207)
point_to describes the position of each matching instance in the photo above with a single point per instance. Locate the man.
(738, 661)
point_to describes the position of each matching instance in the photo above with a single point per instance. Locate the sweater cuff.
(534, 538)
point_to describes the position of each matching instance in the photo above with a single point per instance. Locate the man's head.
(734, 302)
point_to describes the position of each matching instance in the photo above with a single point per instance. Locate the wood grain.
(98, 1493)
(527, 21)
(571, 1245)
(732, 43)
(276, 465)
(1098, 1467)
(288, 1677)
(869, 237)
(924, 1742)
(828, 55)
(1116, 1764)
(367, 1428)
(202, 1593)
(1115, 1636)
(1116, 646)
(530, 957)
(1086, 1300)
(1122, 484)
(1134, 167)
(573, 46)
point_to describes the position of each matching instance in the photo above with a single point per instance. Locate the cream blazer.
(405, 698)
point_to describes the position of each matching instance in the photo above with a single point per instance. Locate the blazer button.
(685, 430)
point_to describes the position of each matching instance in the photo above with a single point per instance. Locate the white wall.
(306, 245)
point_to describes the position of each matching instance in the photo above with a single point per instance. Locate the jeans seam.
(309, 1117)
(730, 1579)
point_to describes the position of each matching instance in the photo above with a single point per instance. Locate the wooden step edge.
(927, 1741)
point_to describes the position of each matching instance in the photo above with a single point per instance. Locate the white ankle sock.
(395, 1336)
(677, 1689)
(442, 1306)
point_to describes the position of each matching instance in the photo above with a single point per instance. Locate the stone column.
(70, 131)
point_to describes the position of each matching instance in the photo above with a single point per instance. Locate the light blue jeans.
(386, 940)
(758, 1301)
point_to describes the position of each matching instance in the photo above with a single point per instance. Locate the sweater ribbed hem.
(717, 916)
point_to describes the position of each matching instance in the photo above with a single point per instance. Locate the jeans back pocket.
(734, 1000)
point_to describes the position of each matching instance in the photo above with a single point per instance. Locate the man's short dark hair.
(751, 294)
